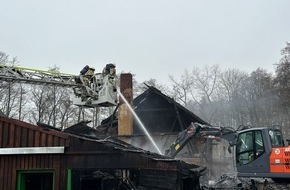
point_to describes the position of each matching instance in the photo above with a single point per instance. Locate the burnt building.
(43, 158)
(163, 118)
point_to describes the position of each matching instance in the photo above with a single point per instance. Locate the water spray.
(140, 123)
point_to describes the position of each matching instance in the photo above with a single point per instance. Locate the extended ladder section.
(90, 89)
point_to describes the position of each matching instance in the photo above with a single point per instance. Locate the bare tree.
(8, 91)
(204, 90)
(39, 102)
(258, 93)
(3, 58)
(282, 86)
(66, 113)
(181, 88)
(231, 104)
(9, 98)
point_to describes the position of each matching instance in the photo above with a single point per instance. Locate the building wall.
(15, 134)
(11, 165)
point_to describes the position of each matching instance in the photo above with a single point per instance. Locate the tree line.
(228, 97)
(233, 97)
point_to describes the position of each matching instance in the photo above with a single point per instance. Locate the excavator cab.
(261, 152)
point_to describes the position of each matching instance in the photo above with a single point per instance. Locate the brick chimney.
(125, 117)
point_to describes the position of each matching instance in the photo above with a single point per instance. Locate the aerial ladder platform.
(90, 89)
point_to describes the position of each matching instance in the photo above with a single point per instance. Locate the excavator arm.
(203, 131)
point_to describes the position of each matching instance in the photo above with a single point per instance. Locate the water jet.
(140, 122)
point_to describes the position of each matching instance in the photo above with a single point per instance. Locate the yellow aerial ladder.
(89, 89)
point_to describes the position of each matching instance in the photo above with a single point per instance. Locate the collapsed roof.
(158, 112)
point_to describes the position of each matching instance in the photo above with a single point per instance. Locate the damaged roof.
(139, 100)
(86, 147)
(82, 129)
(158, 112)
(126, 148)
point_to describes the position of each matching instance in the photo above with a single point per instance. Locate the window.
(250, 146)
(35, 180)
(276, 138)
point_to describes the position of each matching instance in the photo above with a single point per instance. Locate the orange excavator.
(259, 152)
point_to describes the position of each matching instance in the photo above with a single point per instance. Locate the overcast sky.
(149, 38)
